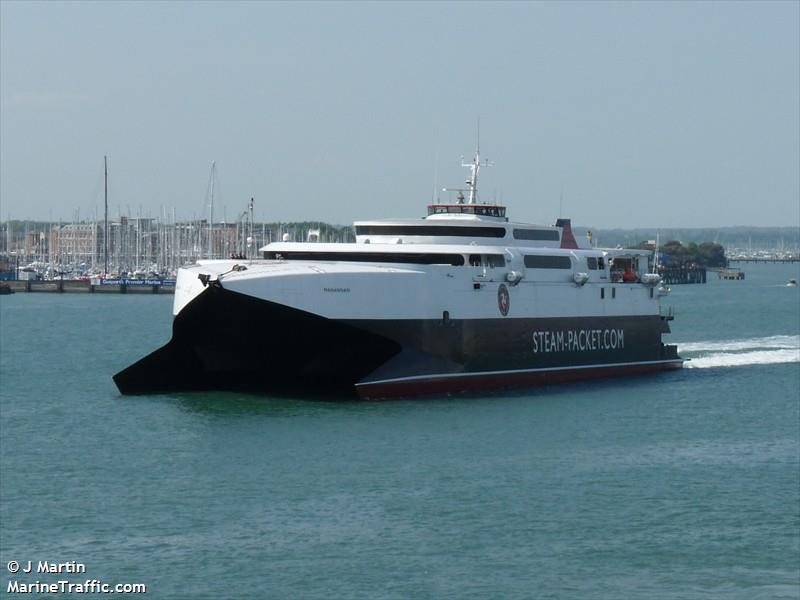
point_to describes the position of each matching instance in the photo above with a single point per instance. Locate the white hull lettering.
(578, 340)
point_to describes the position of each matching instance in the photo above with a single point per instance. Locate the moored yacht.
(460, 300)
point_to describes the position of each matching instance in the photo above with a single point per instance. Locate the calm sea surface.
(681, 485)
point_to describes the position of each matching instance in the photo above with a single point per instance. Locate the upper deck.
(467, 224)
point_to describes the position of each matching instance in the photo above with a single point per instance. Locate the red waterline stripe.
(463, 382)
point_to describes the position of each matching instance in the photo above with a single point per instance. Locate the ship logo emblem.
(503, 299)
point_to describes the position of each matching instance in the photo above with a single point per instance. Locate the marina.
(139, 248)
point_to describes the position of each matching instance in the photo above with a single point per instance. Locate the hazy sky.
(638, 113)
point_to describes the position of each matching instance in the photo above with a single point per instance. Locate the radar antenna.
(474, 169)
(472, 180)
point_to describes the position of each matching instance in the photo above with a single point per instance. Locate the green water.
(682, 485)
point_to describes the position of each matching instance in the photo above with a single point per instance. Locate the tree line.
(674, 253)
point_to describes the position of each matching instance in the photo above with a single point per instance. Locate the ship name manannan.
(337, 289)
(578, 340)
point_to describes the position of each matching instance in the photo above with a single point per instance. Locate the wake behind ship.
(461, 300)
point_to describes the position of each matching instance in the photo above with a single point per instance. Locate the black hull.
(228, 341)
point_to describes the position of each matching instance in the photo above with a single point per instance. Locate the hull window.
(416, 258)
(495, 260)
(544, 235)
(487, 260)
(431, 230)
(534, 261)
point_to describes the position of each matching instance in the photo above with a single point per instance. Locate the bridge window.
(467, 209)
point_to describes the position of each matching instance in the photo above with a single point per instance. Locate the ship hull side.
(223, 340)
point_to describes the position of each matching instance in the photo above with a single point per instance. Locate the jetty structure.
(766, 258)
(682, 274)
(463, 299)
(731, 274)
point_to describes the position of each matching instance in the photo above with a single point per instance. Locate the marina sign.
(167, 282)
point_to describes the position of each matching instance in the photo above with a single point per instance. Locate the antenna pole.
(435, 176)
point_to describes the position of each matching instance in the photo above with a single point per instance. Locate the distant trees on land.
(707, 254)
(754, 238)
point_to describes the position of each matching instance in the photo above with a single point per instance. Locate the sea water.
(678, 485)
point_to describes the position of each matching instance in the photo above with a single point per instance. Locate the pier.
(734, 274)
(681, 274)
(765, 259)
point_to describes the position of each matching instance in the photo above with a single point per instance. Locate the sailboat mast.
(105, 227)
(211, 216)
(250, 237)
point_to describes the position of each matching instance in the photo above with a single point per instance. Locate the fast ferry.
(461, 300)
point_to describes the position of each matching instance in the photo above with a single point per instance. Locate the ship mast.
(474, 168)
